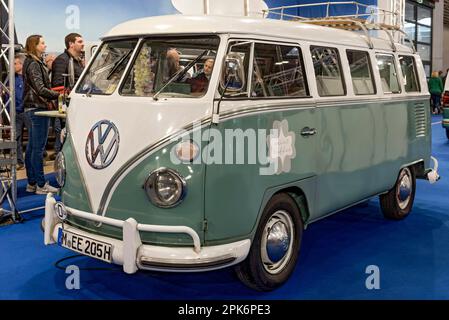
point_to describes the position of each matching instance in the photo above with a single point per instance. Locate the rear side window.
(361, 73)
(410, 74)
(328, 73)
(388, 73)
(278, 71)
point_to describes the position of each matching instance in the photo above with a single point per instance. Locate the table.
(51, 114)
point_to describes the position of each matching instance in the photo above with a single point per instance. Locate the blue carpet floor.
(412, 255)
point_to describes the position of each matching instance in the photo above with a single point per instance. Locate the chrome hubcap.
(277, 242)
(404, 188)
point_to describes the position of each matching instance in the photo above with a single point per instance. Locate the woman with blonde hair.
(436, 89)
(37, 97)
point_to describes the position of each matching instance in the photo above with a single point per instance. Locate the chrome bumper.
(133, 255)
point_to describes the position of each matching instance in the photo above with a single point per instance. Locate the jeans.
(58, 126)
(23, 120)
(34, 159)
(436, 100)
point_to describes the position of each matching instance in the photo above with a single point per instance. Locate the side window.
(361, 73)
(388, 73)
(329, 77)
(234, 76)
(408, 67)
(278, 72)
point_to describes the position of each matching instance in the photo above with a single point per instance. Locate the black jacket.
(37, 92)
(61, 66)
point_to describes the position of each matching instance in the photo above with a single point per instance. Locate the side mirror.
(233, 77)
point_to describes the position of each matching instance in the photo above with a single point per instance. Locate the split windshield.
(168, 67)
(106, 71)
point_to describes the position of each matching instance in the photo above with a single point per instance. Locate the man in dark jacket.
(200, 81)
(69, 63)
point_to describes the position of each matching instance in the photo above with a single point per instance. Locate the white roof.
(182, 24)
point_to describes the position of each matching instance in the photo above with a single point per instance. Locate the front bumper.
(133, 255)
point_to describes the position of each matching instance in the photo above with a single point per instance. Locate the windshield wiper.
(178, 74)
(118, 64)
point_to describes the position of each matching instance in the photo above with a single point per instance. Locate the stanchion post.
(12, 85)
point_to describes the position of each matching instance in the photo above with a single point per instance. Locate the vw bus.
(294, 122)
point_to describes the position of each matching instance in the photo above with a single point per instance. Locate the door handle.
(308, 132)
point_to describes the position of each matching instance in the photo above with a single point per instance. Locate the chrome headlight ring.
(60, 169)
(165, 188)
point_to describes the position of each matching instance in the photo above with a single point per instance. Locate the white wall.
(446, 48)
(438, 35)
(389, 5)
(440, 59)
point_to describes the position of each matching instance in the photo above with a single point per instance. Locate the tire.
(447, 133)
(398, 202)
(267, 268)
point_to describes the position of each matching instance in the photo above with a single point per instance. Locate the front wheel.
(398, 202)
(275, 248)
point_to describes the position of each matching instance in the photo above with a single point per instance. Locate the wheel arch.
(302, 192)
(300, 199)
(419, 169)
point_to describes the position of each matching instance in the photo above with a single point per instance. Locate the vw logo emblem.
(61, 211)
(102, 145)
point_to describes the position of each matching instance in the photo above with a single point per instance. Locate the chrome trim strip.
(299, 105)
(309, 104)
(140, 156)
(211, 263)
(264, 109)
(339, 103)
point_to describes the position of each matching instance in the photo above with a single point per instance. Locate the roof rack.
(364, 18)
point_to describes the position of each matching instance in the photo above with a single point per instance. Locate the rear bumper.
(446, 123)
(133, 255)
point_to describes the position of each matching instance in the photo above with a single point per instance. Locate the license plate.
(84, 245)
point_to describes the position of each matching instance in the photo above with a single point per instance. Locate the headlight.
(60, 169)
(166, 188)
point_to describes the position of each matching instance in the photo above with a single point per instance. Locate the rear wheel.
(447, 133)
(275, 248)
(398, 202)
